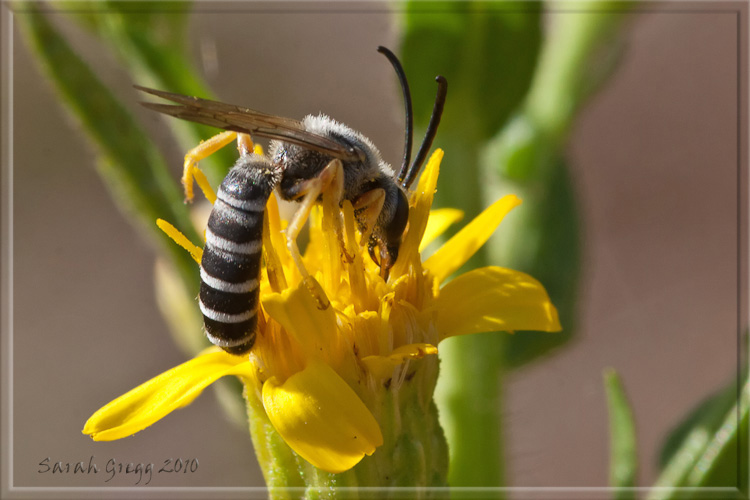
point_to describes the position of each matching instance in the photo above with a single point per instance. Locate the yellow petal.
(356, 268)
(424, 194)
(273, 240)
(418, 215)
(152, 401)
(456, 251)
(494, 299)
(195, 252)
(322, 418)
(301, 316)
(382, 366)
(369, 329)
(440, 220)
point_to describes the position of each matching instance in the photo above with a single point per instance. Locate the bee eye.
(397, 224)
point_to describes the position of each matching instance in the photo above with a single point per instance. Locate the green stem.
(470, 390)
(470, 386)
(527, 157)
(570, 67)
(277, 460)
(579, 54)
(411, 463)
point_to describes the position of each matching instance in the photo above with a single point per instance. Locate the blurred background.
(654, 168)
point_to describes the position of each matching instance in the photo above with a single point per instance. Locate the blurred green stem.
(542, 237)
(570, 68)
(471, 392)
(470, 387)
(579, 54)
(527, 151)
(131, 167)
(150, 42)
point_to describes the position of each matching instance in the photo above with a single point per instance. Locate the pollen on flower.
(336, 350)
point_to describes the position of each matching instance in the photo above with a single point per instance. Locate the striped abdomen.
(230, 267)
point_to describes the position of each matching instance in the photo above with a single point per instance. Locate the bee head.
(385, 243)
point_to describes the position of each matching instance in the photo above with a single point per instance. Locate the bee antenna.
(429, 136)
(408, 129)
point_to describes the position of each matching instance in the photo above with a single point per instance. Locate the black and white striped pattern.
(230, 267)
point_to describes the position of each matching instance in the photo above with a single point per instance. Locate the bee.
(305, 158)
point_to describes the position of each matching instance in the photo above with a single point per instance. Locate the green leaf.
(149, 38)
(724, 462)
(165, 22)
(705, 418)
(131, 167)
(486, 51)
(623, 453)
(706, 461)
(720, 465)
(543, 238)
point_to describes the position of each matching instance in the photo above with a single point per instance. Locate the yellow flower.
(333, 382)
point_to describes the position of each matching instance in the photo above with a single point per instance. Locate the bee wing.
(247, 121)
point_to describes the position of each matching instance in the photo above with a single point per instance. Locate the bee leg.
(370, 204)
(244, 144)
(312, 190)
(336, 184)
(203, 150)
